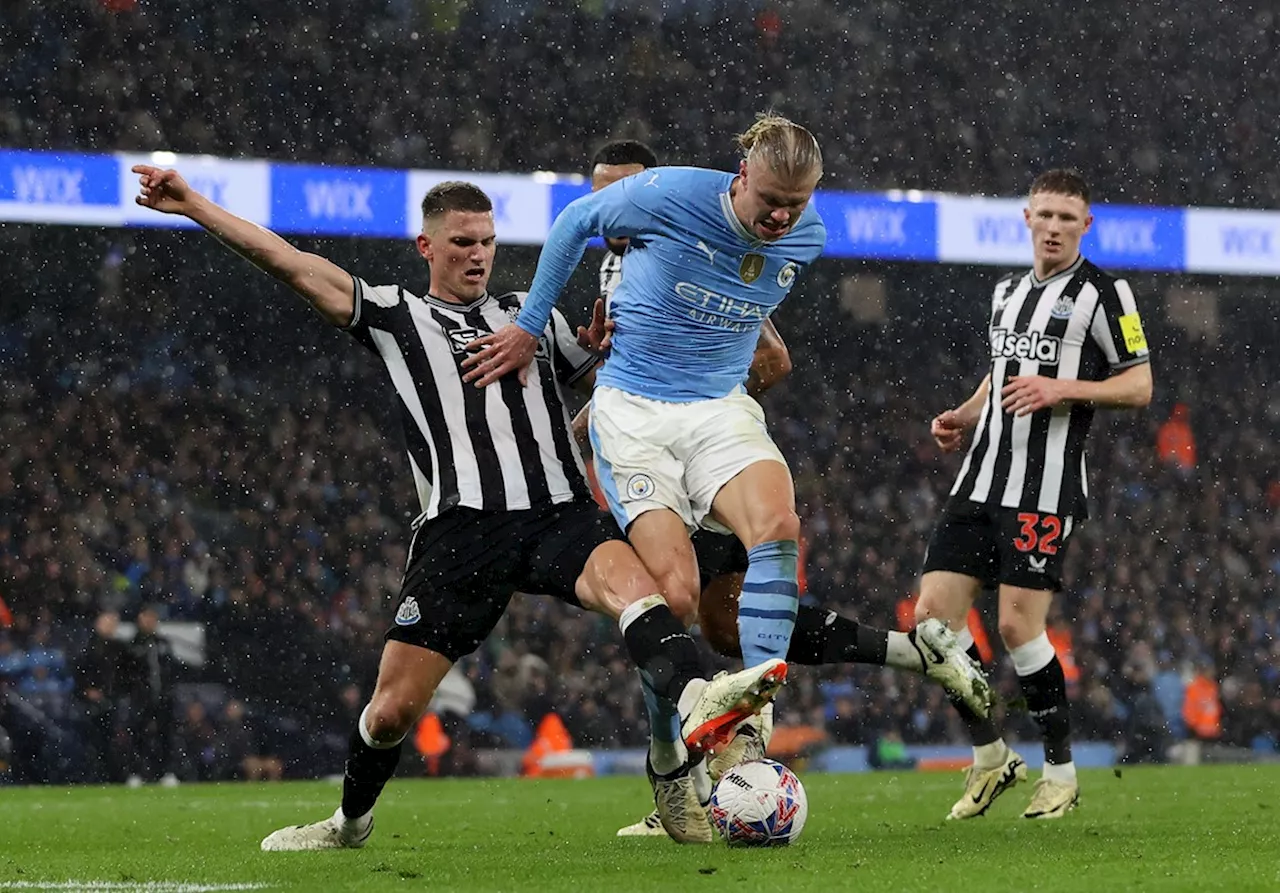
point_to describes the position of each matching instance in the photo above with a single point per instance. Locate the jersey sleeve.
(1117, 327)
(610, 212)
(569, 359)
(376, 308)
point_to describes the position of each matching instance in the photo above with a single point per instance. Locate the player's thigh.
(1023, 614)
(735, 474)
(661, 539)
(630, 442)
(408, 676)
(462, 572)
(578, 555)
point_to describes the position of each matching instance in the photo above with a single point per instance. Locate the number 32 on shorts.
(1038, 533)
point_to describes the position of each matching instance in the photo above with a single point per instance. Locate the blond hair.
(788, 149)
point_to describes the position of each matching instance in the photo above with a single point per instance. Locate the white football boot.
(947, 664)
(1052, 799)
(982, 786)
(724, 702)
(334, 833)
(751, 742)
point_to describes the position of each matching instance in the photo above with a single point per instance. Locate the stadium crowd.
(218, 456)
(1170, 102)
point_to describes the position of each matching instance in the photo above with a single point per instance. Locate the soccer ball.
(760, 803)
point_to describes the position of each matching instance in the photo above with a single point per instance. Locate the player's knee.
(1017, 630)
(927, 608)
(682, 602)
(780, 527)
(388, 718)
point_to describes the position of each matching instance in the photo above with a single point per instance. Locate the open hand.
(510, 349)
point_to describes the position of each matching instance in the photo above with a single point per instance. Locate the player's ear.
(424, 246)
(742, 170)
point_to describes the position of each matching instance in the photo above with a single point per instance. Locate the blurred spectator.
(1202, 706)
(149, 684)
(196, 745)
(100, 676)
(1176, 442)
(243, 752)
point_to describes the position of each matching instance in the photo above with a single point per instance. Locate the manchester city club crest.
(1063, 307)
(751, 267)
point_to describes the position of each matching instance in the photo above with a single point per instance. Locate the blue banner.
(63, 179)
(1125, 237)
(873, 226)
(98, 190)
(334, 201)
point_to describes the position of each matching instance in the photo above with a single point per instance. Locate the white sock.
(964, 638)
(903, 654)
(1063, 772)
(667, 756)
(989, 756)
(359, 822)
(1034, 656)
(363, 726)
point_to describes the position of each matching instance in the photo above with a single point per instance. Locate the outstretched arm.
(511, 348)
(325, 285)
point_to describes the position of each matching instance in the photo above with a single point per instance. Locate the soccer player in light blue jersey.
(678, 442)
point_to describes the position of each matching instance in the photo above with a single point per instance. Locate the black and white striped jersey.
(504, 447)
(610, 277)
(1082, 324)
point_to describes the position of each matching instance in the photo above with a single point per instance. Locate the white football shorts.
(650, 454)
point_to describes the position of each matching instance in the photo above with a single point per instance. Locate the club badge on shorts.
(751, 267)
(640, 486)
(409, 614)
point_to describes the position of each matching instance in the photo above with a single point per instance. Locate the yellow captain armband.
(1135, 340)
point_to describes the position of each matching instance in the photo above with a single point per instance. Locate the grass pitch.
(1192, 829)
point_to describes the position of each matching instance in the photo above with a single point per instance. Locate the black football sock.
(1046, 691)
(367, 773)
(824, 637)
(660, 646)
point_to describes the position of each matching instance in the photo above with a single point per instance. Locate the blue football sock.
(770, 598)
(665, 754)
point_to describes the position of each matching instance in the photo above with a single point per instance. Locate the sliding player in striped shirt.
(504, 502)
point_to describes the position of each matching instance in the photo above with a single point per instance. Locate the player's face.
(459, 246)
(768, 205)
(603, 175)
(1057, 223)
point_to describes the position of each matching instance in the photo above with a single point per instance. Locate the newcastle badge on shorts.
(408, 614)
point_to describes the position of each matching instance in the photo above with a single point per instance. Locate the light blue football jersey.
(696, 284)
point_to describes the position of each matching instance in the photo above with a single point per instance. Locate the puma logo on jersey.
(1037, 564)
(653, 181)
(1009, 345)
(708, 250)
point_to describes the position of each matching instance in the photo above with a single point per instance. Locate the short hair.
(454, 195)
(789, 150)
(1062, 181)
(625, 152)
